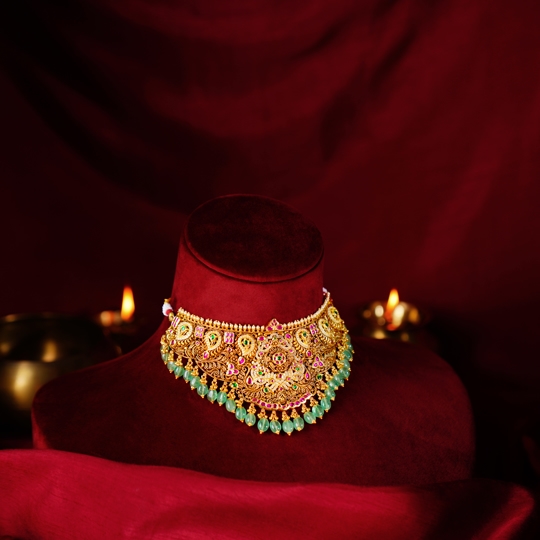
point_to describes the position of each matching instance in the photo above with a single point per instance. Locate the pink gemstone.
(261, 338)
(288, 336)
(241, 360)
(249, 380)
(269, 328)
(308, 376)
(205, 355)
(274, 405)
(308, 353)
(279, 327)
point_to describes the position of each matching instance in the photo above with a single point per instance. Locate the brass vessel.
(36, 348)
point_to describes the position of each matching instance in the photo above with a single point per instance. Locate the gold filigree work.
(277, 367)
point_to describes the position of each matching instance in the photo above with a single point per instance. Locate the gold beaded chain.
(293, 369)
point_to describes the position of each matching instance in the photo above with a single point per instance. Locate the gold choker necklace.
(294, 368)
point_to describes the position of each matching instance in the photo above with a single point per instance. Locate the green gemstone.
(346, 363)
(230, 405)
(319, 376)
(345, 372)
(333, 384)
(275, 426)
(339, 378)
(240, 414)
(298, 424)
(329, 393)
(265, 390)
(195, 382)
(171, 366)
(348, 338)
(165, 357)
(179, 371)
(347, 354)
(187, 375)
(234, 384)
(317, 410)
(325, 404)
(250, 419)
(202, 390)
(222, 398)
(263, 424)
(288, 426)
(309, 418)
(212, 395)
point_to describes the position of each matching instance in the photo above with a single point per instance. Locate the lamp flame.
(393, 301)
(128, 304)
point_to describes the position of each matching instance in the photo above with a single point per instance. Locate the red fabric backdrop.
(63, 496)
(407, 131)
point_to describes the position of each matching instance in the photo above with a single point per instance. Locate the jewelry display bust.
(251, 268)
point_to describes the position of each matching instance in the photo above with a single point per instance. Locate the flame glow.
(393, 301)
(128, 304)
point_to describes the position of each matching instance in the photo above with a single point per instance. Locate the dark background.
(407, 131)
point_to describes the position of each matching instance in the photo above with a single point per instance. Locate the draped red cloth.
(128, 501)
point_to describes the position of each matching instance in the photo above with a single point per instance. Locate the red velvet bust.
(402, 418)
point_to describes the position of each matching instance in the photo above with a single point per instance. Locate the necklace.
(293, 369)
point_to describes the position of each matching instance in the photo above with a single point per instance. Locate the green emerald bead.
(309, 417)
(195, 382)
(240, 414)
(222, 398)
(317, 410)
(250, 419)
(346, 363)
(288, 426)
(325, 404)
(165, 357)
(299, 424)
(202, 390)
(344, 372)
(347, 354)
(339, 378)
(275, 426)
(187, 375)
(333, 384)
(263, 424)
(171, 366)
(212, 395)
(179, 371)
(329, 393)
(230, 405)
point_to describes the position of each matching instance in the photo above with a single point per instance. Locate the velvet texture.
(402, 418)
(64, 496)
(246, 259)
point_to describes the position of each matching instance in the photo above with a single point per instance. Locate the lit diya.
(395, 319)
(121, 324)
